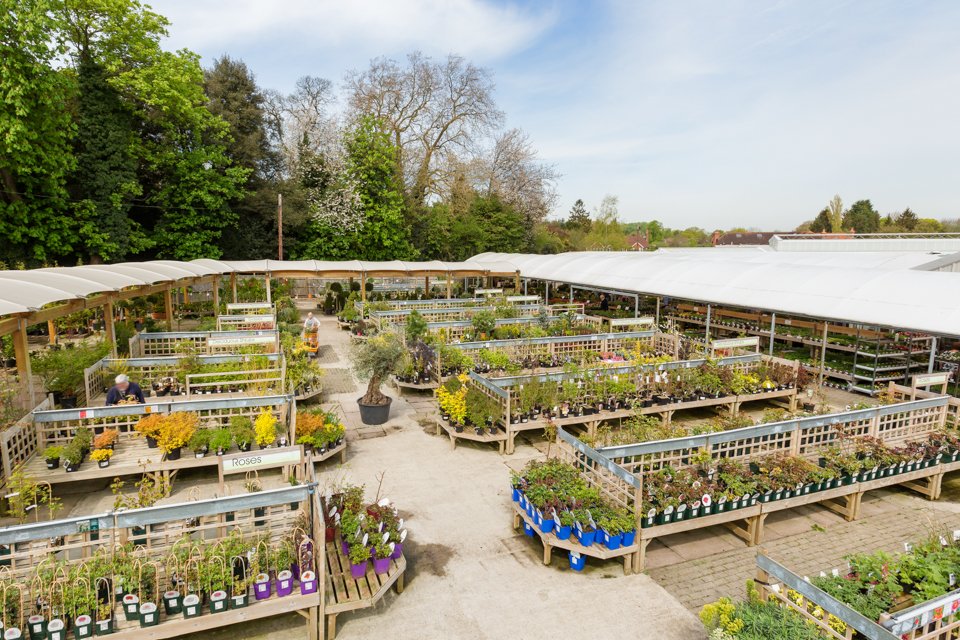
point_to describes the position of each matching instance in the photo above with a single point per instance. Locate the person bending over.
(124, 392)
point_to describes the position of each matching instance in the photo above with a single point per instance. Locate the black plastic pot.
(374, 413)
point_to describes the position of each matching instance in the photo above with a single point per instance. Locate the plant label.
(956, 535)
(835, 573)
(403, 535)
(366, 539)
(386, 537)
(907, 547)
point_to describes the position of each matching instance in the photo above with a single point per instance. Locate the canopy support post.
(636, 306)
(363, 288)
(51, 332)
(525, 281)
(707, 336)
(233, 287)
(571, 294)
(267, 281)
(449, 292)
(168, 307)
(933, 355)
(773, 330)
(216, 297)
(546, 298)
(426, 286)
(823, 352)
(657, 317)
(109, 332)
(516, 282)
(21, 351)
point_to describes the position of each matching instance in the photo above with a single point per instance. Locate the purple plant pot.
(308, 582)
(344, 547)
(381, 565)
(261, 588)
(357, 571)
(397, 550)
(284, 583)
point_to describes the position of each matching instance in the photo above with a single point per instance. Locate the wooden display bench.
(176, 626)
(423, 386)
(844, 500)
(597, 550)
(331, 453)
(593, 421)
(500, 439)
(345, 593)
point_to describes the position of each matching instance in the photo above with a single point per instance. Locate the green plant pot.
(191, 605)
(239, 601)
(103, 627)
(148, 614)
(218, 601)
(172, 602)
(56, 630)
(131, 607)
(83, 627)
(37, 627)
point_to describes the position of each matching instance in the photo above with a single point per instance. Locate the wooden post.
(426, 286)
(109, 332)
(233, 286)
(216, 296)
(267, 279)
(22, 352)
(658, 312)
(363, 287)
(546, 297)
(516, 284)
(823, 353)
(449, 292)
(168, 307)
(186, 295)
(51, 332)
(773, 330)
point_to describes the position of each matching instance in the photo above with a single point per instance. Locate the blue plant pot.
(529, 509)
(628, 538)
(612, 542)
(586, 538)
(546, 525)
(516, 494)
(563, 533)
(528, 529)
(577, 561)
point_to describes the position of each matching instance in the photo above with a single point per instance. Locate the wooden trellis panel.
(152, 344)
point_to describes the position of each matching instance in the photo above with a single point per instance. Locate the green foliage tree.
(908, 219)
(579, 216)
(35, 132)
(862, 217)
(822, 223)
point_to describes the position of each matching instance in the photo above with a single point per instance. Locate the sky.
(696, 113)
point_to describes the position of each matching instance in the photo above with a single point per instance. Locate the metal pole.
(823, 352)
(773, 330)
(571, 294)
(636, 306)
(708, 325)
(658, 311)
(525, 281)
(547, 296)
(933, 354)
(267, 279)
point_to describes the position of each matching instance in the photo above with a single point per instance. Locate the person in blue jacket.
(124, 391)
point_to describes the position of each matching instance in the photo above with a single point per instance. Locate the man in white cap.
(125, 392)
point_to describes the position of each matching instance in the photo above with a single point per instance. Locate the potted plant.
(374, 360)
(176, 432)
(107, 439)
(240, 593)
(265, 429)
(382, 551)
(104, 623)
(52, 456)
(220, 441)
(102, 457)
(72, 457)
(200, 442)
(149, 427)
(241, 428)
(359, 555)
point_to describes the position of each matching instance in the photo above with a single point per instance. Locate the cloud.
(476, 29)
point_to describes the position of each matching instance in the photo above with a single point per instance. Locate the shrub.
(100, 455)
(265, 428)
(176, 430)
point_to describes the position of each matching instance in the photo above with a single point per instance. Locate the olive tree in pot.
(374, 360)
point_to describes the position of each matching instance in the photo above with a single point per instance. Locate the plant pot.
(308, 582)
(149, 616)
(218, 601)
(357, 571)
(381, 565)
(238, 600)
(53, 464)
(515, 494)
(245, 447)
(191, 605)
(577, 561)
(284, 583)
(627, 538)
(131, 607)
(458, 428)
(103, 627)
(262, 587)
(103, 464)
(172, 602)
(70, 468)
(546, 524)
(173, 455)
(374, 414)
(56, 630)
(151, 442)
(612, 541)
(37, 627)
(528, 529)
(586, 538)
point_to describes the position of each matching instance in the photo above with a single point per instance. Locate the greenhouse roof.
(883, 288)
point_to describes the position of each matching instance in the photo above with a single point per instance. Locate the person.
(124, 391)
(311, 324)
(604, 303)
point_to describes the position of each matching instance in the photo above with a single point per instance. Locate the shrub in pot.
(374, 360)
(359, 555)
(52, 456)
(72, 456)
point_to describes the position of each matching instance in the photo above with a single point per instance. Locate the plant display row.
(465, 406)
(368, 531)
(877, 583)
(714, 485)
(88, 596)
(560, 501)
(74, 452)
(319, 430)
(759, 619)
(171, 432)
(62, 368)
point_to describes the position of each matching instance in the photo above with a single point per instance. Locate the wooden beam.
(109, 332)
(168, 307)
(22, 352)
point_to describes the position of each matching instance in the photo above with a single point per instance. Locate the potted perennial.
(102, 457)
(359, 555)
(52, 456)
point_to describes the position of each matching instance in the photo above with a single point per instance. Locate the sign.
(620, 322)
(231, 306)
(488, 292)
(733, 343)
(241, 340)
(932, 610)
(262, 459)
(932, 378)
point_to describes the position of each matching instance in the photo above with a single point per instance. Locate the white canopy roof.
(872, 288)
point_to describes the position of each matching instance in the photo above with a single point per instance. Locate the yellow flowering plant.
(176, 430)
(265, 428)
(99, 455)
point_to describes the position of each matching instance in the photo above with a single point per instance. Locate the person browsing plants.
(124, 392)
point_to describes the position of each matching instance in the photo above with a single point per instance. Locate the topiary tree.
(374, 360)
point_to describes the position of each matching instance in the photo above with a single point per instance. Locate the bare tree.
(299, 123)
(434, 111)
(511, 171)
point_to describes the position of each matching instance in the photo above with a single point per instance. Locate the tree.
(862, 218)
(606, 232)
(929, 225)
(822, 223)
(835, 214)
(35, 133)
(433, 111)
(907, 219)
(579, 217)
(513, 173)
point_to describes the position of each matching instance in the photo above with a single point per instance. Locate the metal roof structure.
(888, 288)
